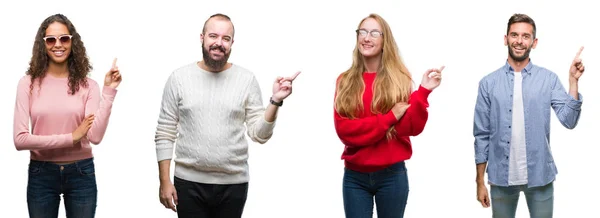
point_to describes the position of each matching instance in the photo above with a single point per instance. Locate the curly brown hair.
(78, 62)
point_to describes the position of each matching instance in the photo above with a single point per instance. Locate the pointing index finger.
(579, 52)
(295, 75)
(442, 68)
(114, 64)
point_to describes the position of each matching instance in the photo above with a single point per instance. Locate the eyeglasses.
(373, 33)
(51, 40)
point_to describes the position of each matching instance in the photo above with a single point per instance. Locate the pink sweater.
(55, 114)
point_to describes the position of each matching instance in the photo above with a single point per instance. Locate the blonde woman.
(376, 111)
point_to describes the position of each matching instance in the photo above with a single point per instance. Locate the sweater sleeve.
(168, 119)
(23, 139)
(259, 130)
(101, 109)
(414, 119)
(363, 131)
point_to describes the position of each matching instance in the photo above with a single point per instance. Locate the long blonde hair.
(393, 82)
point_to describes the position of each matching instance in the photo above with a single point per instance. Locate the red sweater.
(367, 148)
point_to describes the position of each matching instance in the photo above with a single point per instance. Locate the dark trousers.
(75, 181)
(198, 200)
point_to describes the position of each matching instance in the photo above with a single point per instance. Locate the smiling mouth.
(217, 50)
(58, 53)
(520, 49)
(367, 46)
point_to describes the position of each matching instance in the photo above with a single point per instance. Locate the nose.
(219, 41)
(519, 40)
(57, 43)
(367, 38)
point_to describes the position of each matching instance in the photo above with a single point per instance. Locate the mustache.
(221, 48)
(519, 45)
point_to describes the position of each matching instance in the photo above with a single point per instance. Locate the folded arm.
(363, 131)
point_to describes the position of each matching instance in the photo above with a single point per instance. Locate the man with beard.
(512, 125)
(205, 106)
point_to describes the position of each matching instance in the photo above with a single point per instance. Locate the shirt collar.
(527, 69)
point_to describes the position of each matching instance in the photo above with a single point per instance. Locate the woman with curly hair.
(67, 114)
(376, 113)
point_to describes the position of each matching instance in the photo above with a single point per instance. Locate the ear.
(505, 40)
(201, 38)
(534, 43)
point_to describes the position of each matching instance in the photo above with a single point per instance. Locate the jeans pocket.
(87, 170)
(398, 168)
(34, 170)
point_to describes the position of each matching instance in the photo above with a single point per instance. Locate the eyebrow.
(58, 35)
(370, 30)
(218, 34)
(512, 33)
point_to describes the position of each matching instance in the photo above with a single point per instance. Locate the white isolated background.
(298, 173)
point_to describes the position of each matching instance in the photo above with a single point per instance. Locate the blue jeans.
(540, 200)
(75, 181)
(389, 187)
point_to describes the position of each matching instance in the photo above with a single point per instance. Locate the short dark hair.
(220, 16)
(520, 18)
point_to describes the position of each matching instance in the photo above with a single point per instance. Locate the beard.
(212, 63)
(517, 58)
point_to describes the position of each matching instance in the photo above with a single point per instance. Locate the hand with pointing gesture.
(282, 87)
(113, 77)
(577, 67)
(432, 78)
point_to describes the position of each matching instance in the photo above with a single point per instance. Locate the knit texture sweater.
(204, 118)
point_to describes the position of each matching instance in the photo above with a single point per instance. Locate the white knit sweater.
(205, 113)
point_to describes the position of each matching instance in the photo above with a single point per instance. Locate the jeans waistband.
(79, 163)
